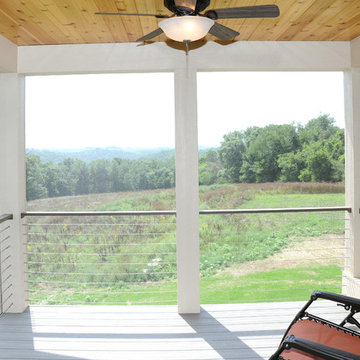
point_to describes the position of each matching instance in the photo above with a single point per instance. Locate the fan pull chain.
(187, 42)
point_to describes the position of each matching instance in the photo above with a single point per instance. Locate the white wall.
(8, 56)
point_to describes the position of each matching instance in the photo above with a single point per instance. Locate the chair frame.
(312, 348)
(290, 341)
(348, 303)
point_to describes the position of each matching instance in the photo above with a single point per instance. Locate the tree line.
(76, 177)
(314, 152)
(287, 153)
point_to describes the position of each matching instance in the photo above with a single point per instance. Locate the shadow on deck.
(246, 331)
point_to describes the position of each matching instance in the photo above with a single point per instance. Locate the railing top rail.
(5, 217)
(276, 210)
(173, 212)
(97, 213)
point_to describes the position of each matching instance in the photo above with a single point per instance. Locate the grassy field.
(277, 285)
(133, 260)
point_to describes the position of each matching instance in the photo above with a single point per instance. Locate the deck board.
(246, 331)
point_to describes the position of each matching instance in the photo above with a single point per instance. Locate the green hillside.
(243, 258)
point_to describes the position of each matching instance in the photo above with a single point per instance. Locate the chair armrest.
(343, 299)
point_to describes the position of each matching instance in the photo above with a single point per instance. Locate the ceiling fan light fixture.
(186, 28)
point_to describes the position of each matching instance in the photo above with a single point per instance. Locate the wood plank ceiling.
(40, 22)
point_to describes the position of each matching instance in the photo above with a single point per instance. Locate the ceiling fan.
(188, 24)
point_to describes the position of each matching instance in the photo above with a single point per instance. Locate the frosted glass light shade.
(187, 27)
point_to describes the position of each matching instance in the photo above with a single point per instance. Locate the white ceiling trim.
(132, 57)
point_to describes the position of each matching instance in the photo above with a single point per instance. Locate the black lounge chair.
(311, 337)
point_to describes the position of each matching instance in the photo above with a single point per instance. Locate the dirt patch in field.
(328, 249)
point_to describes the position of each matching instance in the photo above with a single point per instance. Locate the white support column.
(351, 274)
(9, 56)
(187, 194)
(12, 179)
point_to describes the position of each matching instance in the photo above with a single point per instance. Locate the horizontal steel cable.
(98, 274)
(155, 291)
(94, 244)
(96, 234)
(97, 254)
(91, 263)
(91, 282)
(125, 302)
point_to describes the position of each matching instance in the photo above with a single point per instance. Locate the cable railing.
(173, 212)
(101, 258)
(6, 285)
(261, 255)
(129, 257)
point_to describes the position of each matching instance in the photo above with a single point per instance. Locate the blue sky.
(137, 110)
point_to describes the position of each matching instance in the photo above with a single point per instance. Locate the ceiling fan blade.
(189, 4)
(260, 11)
(159, 16)
(223, 32)
(151, 35)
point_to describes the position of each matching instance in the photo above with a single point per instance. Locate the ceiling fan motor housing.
(200, 6)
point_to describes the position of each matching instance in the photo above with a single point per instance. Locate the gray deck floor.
(239, 331)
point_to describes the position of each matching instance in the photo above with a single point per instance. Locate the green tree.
(335, 146)
(262, 154)
(290, 165)
(210, 168)
(318, 163)
(35, 178)
(67, 178)
(231, 154)
(81, 174)
(52, 178)
(127, 182)
(250, 135)
(317, 129)
(100, 176)
(323, 148)
(116, 180)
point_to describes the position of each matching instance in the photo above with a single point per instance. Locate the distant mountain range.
(108, 153)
